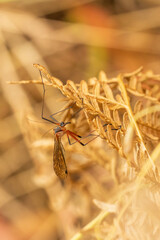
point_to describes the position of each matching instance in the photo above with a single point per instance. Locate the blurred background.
(74, 39)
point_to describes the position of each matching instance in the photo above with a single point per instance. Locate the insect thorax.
(58, 129)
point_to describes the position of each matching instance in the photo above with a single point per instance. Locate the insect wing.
(59, 164)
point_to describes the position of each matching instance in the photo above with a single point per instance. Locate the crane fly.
(59, 163)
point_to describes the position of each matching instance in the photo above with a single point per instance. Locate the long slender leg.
(77, 110)
(96, 136)
(74, 136)
(84, 137)
(119, 127)
(70, 141)
(77, 140)
(84, 144)
(42, 113)
(51, 116)
(69, 133)
(90, 134)
(75, 113)
(106, 124)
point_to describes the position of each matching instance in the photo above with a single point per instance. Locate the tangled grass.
(119, 171)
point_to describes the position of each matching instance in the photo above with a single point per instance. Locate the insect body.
(59, 163)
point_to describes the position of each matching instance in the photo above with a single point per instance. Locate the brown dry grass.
(119, 171)
(112, 189)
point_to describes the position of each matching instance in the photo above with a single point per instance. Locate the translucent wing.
(59, 164)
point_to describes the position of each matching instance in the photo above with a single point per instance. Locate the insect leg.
(42, 113)
(98, 135)
(74, 136)
(84, 144)
(119, 127)
(69, 133)
(78, 110)
(51, 116)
